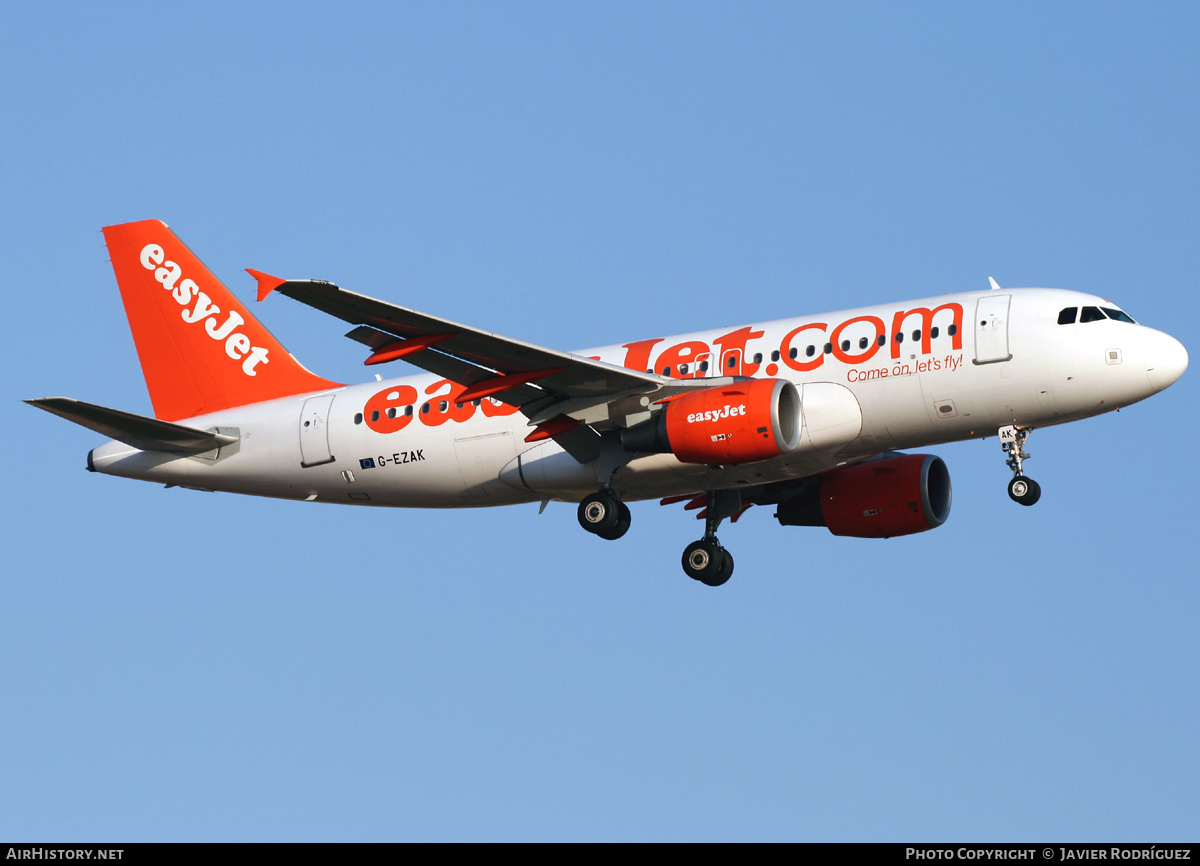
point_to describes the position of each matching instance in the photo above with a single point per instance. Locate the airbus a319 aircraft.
(807, 415)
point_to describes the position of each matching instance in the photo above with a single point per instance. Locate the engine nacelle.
(897, 495)
(731, 424)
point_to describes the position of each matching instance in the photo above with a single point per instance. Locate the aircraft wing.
(569, 397)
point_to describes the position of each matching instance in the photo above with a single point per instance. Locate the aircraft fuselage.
(871, 380)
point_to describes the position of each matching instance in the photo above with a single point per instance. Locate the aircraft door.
(991, 329)
(314, 431)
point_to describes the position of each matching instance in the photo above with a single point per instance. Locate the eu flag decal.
(368, 463)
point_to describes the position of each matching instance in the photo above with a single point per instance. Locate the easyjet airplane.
(807, 415)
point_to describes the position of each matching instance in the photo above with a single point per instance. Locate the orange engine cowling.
(731, 424)
(896, 495)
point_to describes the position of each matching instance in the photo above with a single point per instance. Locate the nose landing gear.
(1022, 490)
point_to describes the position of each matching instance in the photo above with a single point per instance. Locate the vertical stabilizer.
(200, 349)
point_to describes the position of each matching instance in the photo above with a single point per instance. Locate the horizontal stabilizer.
(147, 434)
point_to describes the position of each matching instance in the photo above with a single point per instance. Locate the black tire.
(600, 513)
(1024, 491)
(725, 572)
(624, 519)
(706, 561)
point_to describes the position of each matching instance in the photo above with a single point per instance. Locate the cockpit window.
(1117, 315)
(1091, 314)
(1067, 316)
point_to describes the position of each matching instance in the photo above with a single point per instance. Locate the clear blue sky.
(180, 665)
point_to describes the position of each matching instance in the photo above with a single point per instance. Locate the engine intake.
(897, 495)
(731, 424)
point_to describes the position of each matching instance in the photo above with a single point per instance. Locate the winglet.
(995, 285)
(266, 283)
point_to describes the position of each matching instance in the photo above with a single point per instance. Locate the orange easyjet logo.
(854, 341)
(803, 348)
(184, 290)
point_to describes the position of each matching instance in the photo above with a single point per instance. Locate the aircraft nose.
(1166, 359)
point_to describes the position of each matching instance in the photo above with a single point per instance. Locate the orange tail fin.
(201, 350)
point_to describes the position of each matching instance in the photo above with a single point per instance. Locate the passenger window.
(933, 332)
(845, 345)
(375, 415)
(952, 330)
(732, 362)
(862, 343)
(828, 348)
(1118, 316)
(899, 337)
(358, 418)
(1067, 316)
(810, 351)
(1091, 314)
(758, 357)
(793, 352)
(882, 340)
(775, 355)
(666, 371)
(408, 411)
(916, 336)
(424, 408)
(683, 369)
(392, 412)
(704, 366)
(443, 406)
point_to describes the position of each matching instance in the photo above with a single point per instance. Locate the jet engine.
(895, 495)
(726, 425)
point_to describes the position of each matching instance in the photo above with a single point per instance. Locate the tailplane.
(146, 434)
(201, 350)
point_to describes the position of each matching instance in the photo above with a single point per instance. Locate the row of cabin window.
(794, 353)
(1093, 314)
(408, 410)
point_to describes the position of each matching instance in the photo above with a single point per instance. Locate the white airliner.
(806, 414)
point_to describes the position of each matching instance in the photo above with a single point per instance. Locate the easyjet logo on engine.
(716, 414)
(237, 344)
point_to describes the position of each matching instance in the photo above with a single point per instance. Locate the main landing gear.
(604, 514)
(706, 560)
(1022, 490)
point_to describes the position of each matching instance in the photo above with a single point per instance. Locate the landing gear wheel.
(601, 513)
(1024, 491)
(624, 518)
(706, 561)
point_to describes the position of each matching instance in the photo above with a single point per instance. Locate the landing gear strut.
(706, 560)
(1022, 490)
(605, 515)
